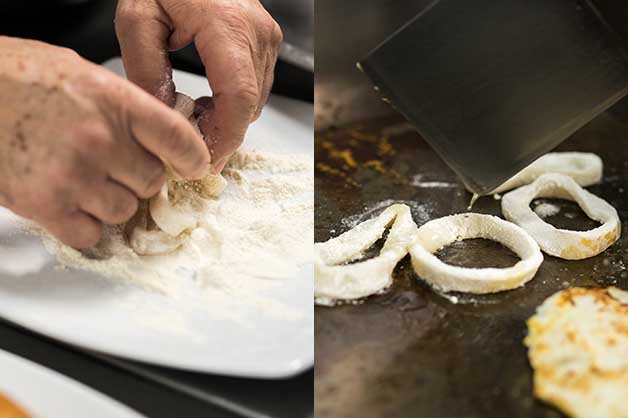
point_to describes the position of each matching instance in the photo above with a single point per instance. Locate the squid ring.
(154, 242)
(570, 245)
(170, 222)
(584, 167)
(438, 233)
(335, 280)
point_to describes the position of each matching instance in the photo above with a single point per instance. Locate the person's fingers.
(202, 106)
(231, 73)
(181, 36)
(269, 75)
(109, 202)
(161, 130)
(165, 133)
(138, 170)
(143, 31)
(273, 38)
(78, 230)
(219, 165)
(260, 57)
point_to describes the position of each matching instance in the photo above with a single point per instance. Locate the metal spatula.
(494, 84)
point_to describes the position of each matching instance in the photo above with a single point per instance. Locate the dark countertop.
(146, 397)
(153, 391)
(159, 392)
(87, 27)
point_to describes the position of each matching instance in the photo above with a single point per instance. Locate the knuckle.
(128, 15)
(86, 72)
(230, 13)
(238, 27)
(94, 138)
(88, 237)
(102, 85)
(247, 95)
(276, 34)
(68, 52)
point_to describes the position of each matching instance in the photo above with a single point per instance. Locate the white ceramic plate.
(92, 312)
(43, 393)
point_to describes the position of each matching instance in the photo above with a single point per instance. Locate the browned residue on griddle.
(344, 152)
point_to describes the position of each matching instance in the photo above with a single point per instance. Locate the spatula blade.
(493, 84)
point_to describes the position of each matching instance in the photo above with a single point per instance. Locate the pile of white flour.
(258, 232)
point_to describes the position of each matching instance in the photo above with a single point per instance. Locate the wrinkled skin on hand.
(238, 42)
(79, 145)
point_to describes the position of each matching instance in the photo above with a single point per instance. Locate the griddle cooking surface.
(410, 351)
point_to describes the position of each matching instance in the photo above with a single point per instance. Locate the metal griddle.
(411, 352)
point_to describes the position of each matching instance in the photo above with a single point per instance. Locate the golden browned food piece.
(578, 348)
(8, 409)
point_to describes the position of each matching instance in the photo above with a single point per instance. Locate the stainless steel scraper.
(494, 84)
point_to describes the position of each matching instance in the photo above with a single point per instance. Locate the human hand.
(79, 145)
(238, 42)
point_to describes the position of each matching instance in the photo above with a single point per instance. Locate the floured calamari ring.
(167, 217)
(154, 242)
(337, 281)
(439, 233)
(169, 222)
(584, 167)
(570, 245)
(212, 186)
(184, 104)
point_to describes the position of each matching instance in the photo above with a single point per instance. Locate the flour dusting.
(421, 212)
(252, 238)
(418, 181)
(545, 210)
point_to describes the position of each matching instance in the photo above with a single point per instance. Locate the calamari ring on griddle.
(439, 233)
(584, 167)
(335, 281)
(570, 245)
